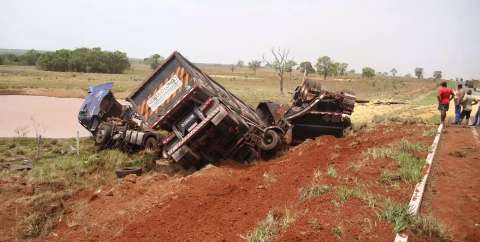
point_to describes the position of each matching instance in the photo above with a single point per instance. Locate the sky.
(384, 34)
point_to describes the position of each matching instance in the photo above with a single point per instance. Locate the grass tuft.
(337, 231)
(404, 153)
(398, 215)
(331, 171)
(315, 190)
(270, 226)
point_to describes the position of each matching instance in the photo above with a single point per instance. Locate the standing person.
(467, 103)
(445, 95)
(476, 119)
(458, 103)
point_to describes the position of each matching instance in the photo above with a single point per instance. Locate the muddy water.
(49, 116)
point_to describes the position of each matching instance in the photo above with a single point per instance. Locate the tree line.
(326, 66)
(78, 60)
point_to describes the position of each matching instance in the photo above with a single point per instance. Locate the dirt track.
(225, 202)
(453, 195)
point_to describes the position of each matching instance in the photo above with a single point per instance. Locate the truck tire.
(270, 140)
(103, 134)
(151, 145)
(122, 172)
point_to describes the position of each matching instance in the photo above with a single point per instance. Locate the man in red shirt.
(445, 95)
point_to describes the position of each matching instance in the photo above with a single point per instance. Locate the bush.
(84, 60)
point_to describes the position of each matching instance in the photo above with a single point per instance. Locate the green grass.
(420, 225)
(404, 154)
(398, 215)
(270, 226)
(337, 231)
(59, 171)
(315, 190)
(331, 172)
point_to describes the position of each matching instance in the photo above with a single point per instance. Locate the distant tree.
(306, 67)
(437, 75)
(289, 67)
(84, 60)
(351, 71)
(154, 61)
(232, 67)
(368, 72)
(393, 71)
(408, 75)
(30, 57)
(342, 69)
(240, 63)
(280, 63)
(335, 69)
(254, 65)
(1, 60)
(325, 66)
(10, 59)
(419, 72)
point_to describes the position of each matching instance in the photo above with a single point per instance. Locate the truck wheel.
(122, 172)
(151, 145)
(103, 134)
(270, 140)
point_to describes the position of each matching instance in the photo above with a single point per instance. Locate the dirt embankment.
(453, 194)
(225, 202)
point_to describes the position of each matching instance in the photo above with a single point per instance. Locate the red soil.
(225, 202)
(453, 195)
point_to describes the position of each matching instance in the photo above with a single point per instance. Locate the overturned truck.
(191, 119)
(205, 121)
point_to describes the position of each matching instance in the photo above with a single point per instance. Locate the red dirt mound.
(223, 203)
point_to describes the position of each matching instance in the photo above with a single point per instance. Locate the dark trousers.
(458, 113)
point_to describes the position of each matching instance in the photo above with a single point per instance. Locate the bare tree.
(280, 63)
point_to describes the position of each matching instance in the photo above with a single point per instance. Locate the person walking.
(476, 119)
(458, 103)
(445, 95)
(467, 103)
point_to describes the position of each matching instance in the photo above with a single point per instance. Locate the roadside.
(453, 195)
(324, 188)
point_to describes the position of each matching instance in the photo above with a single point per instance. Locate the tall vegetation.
(437, 75)
(419, 72)
(84, 60)
(153, 61)
(29, 58)
(368, 72)
(393, 71)
(328, 67)
(306, 67)
(281, 64)
(254, 65)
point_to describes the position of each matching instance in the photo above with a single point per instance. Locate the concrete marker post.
(419, 190)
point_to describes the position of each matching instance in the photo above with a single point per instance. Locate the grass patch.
(430, 132)
(427, 226)
(345, 193)
(270, 226)
(337, 231)
(331, 172)
(398, 215)
(315, 190)
(404, 154)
